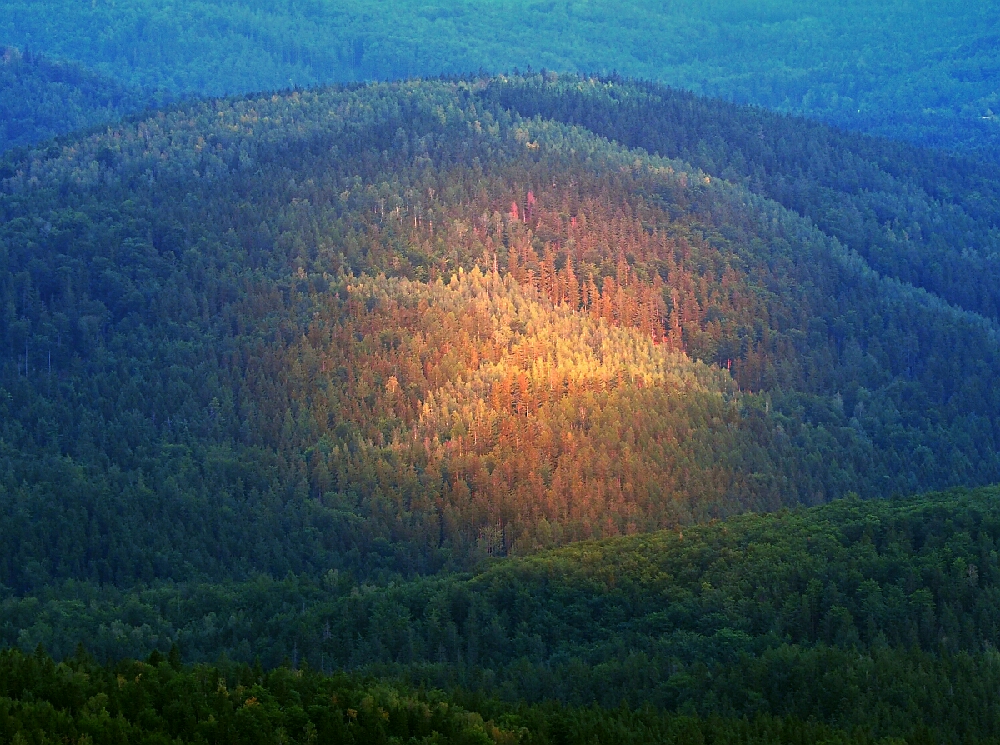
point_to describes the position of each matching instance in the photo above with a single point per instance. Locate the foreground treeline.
(877, 616)
(400, 328)
(161, 701)
(158, 701)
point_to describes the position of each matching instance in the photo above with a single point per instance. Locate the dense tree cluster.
(350, 336)
(880, 198)
(271, 366)
(40, 98)
(924, 74)
(879, 617)
(400, 327)
(158, 700)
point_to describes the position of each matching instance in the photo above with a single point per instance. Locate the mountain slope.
(400, 327)
(40, 99)
(884, 200)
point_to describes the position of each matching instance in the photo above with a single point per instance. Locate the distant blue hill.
(925, 74)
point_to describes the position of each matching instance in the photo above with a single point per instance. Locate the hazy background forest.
(911, 69)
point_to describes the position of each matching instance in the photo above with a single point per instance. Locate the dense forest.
(578, 408)
(157, 700)
(876, 618)
(920, 71)
(879, 198)
(397, 328)
(40, 99)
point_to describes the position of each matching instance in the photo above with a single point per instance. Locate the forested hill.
(401, 327)
(876, 618)
(924, 71)
(40, 98)
(878, 197)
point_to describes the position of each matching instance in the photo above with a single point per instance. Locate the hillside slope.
(885, 200)
(396, 328)
(40, 99)
(878, 618)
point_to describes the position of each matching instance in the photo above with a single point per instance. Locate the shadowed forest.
(917, 71)
(542, 407)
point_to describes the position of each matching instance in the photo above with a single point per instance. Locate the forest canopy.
(862, 620)
(412, 328)
(516, 409)
(40, 98)
(923, 72)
